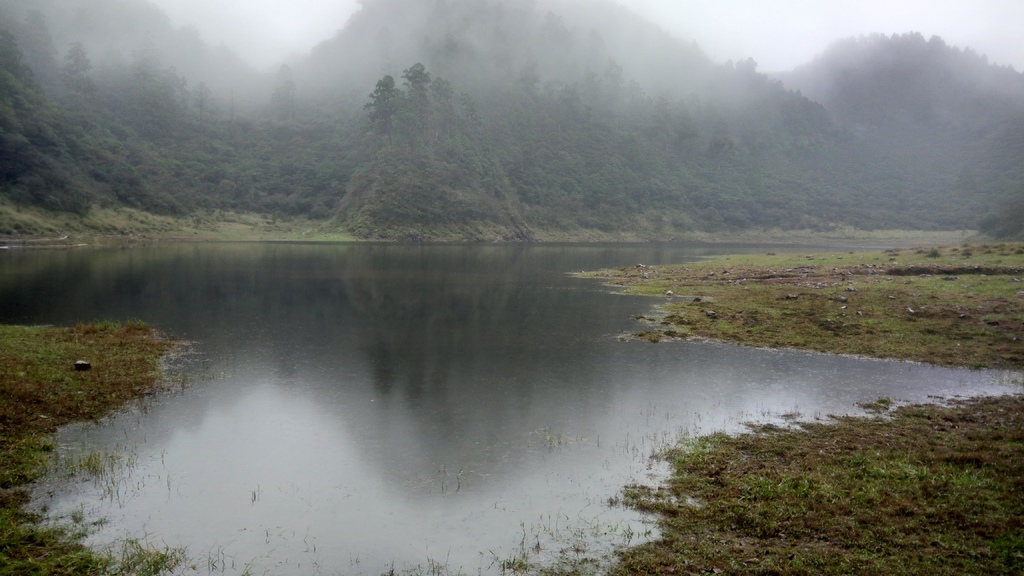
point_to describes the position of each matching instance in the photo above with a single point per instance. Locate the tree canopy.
(478, 138)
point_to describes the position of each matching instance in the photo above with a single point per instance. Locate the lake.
(361, 408)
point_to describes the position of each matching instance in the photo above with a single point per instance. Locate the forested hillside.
(496, 119)
(941, 114)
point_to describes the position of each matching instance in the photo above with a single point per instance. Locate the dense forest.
(495, 119)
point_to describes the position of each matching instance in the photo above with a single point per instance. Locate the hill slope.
(493, 119)
(944, 116)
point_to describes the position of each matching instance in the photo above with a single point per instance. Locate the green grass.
(41, 391)
(29, 226)
(929, 490)
(919, 490)
(32, 225)
(954, 306)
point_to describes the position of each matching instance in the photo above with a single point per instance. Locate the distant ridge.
(502, 120)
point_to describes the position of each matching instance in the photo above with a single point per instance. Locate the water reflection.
(361, 407)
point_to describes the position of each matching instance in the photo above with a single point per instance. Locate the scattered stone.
(697, 299)
(792, 296)
(851, 289)
(911, 310)
(711, 313)
(842, 298)
(81, 365)
(669, 293)
(950, 278)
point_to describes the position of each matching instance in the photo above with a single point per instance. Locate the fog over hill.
(483, 43)
(115, 33)
(780, 35)
(945, 108)
(485, 119)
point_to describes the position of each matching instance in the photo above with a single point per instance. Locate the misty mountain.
(904, 79)
(481, 44)
(115, 33)
(484, 119)
(35, 147)
(942, 114)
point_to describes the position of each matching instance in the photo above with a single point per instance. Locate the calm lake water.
(357, 408)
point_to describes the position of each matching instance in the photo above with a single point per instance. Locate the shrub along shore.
(911, 490)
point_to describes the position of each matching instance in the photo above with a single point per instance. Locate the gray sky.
(779, 34)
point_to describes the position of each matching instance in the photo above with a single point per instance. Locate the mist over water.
(356, 408)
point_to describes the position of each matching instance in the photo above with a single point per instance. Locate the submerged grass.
(927, 490)
(918, 490)
(953, 306)
(40, 391)
(912, 490)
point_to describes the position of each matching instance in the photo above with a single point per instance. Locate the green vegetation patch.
(33, 227)
(955, 306)
(41, 389)
(924, 490)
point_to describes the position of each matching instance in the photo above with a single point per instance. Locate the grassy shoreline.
(22, 226)
(917, 490)
(41, 391)
(922, 490)
(951, 306)
(927, 490)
